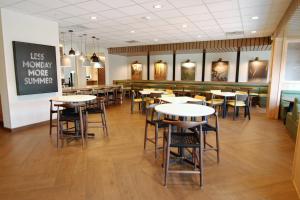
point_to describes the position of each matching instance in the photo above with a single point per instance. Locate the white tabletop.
(74, 98)
(185, 110)
(148, 92)
(179, 99)
(225, 94)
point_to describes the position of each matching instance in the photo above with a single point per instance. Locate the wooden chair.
(190, 137)
(241, 101)
(52, 112)
(98, 107)
(75, 113)
(213, 101)
(135, 100)
(153, 119)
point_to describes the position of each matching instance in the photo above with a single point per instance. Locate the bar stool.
(153, 119)
(75, 113)
(189, 136)
(98, 107)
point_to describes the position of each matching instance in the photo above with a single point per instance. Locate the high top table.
(74, 98)
(185, 110)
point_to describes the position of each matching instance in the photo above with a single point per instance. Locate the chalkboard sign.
(35, 68)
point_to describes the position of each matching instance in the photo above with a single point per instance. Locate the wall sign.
(35, 68)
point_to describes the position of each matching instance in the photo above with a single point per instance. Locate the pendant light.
(99, 64)
(65, 60)
(94, 58)
(81, 56)
(71, 52)
(86, 62)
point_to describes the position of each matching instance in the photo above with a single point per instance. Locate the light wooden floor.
(256, 160)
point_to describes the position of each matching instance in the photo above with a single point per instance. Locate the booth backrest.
(196, 86)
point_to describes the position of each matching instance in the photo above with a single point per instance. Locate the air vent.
(132, 41)
(235, 33)
(78, 28)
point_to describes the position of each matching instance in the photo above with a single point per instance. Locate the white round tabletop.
(185, 110)
(74, 98)
(180, 100)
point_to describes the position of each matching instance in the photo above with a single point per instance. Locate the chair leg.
(218, 146)
(234, 112)
(132, 107)
(200, 162)
(81, 127)
(50, 130)
(156, 139)
(146, 135)
(248, 113)
(167, 164)
(57, 130)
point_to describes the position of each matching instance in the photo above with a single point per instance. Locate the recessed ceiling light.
(253, 32)
(184, 25)
(60, 45)
(147, 17)
(157, 6)
(255, 17)
(133, 31)
(199, 36)
(93, 17)
(155, 40)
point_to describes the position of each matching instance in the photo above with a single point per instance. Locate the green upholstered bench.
(292, 119)
(284, 105)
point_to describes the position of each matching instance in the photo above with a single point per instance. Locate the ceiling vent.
(235, 33)
(78, 28)
(132, 41)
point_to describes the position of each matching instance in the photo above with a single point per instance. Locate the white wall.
(118, 68)
(29, 109)
(251, 55)
(120, 62)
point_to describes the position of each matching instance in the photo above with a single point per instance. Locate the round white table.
(74, 98)
(185, 110)
(179, 100)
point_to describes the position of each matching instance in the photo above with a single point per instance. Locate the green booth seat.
(292, 119)
(284, 105)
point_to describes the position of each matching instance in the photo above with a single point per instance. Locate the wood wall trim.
(294, 5)
(232, 45)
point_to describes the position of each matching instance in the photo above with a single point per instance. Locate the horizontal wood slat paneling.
(245, 44)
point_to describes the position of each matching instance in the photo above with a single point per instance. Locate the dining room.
(146, 99)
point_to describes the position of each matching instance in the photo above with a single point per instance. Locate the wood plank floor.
(256, 159)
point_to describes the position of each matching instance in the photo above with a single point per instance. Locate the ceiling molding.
(245, 44)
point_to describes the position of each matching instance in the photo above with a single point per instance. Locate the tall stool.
(98, 107)
(189, 136)
(153, 119)
(75, 113)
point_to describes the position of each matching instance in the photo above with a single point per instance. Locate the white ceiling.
(116, 19)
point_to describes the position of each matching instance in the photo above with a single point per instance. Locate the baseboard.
(297, 190)
(22, 128)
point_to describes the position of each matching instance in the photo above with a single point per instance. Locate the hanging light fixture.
(94, 58)
(86, 62)
(71, 52)
(65, 60)
(99, 64)
(81, 56)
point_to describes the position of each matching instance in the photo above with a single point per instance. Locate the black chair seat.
(208, 127)
(94, 110)
(184, 140)
(70, 115)
(160, 123)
